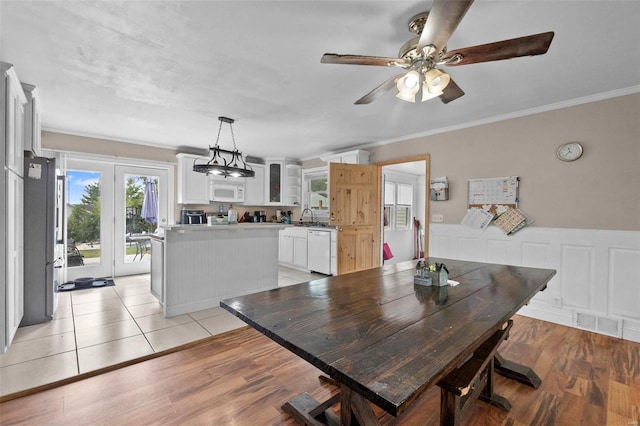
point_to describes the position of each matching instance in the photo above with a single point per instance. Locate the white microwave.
(226, 191)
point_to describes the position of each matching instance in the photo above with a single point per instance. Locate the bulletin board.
(494, 195)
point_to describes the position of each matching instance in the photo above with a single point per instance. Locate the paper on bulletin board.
(494, 195)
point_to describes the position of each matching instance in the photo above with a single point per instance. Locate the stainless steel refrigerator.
(40, 280)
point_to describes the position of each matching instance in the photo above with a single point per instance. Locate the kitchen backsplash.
(270, 212)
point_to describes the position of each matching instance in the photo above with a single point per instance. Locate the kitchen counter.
(226, 227)
(203, 264)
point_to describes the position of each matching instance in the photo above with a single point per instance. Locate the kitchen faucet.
(310, 211)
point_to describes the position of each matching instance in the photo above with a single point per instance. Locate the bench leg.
(489, 396)
(515, 371)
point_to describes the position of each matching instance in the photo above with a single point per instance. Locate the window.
(398, 202)
(316, 191)
(404, 201)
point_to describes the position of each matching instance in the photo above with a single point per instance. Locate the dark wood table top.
(381, 335)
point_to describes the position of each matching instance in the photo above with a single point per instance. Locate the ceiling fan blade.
(334, 58)
(379, 91)
(443, 19)
(451, 92)
(531, 45)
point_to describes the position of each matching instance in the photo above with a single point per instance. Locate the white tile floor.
(98, 327)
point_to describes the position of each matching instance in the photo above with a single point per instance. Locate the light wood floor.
(242, 378)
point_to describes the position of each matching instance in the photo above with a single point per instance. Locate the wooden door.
(354, 191)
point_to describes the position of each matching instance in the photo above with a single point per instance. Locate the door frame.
(110, 161)
(427, 159)
(105, 267)
(120, 266)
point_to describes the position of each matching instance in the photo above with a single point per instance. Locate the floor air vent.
(598, 324)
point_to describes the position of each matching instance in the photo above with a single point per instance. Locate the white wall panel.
(535, 254)
(577, 274)
(598, 271)
(470, 248)
(497, 252)
(624, 282)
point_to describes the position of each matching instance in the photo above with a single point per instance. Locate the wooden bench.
(472, 380)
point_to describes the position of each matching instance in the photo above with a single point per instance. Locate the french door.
(134, 220)
(107, 230)
(89, 217)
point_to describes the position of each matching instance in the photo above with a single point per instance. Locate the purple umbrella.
(150, 203)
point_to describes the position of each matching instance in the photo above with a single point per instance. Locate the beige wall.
(64, 142)
(601, 190)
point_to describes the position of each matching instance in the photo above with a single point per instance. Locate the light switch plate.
(437, 218)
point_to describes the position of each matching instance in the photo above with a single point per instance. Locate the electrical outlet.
(437, 218)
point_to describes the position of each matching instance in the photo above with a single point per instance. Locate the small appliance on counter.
(232, 215)
(192, 217)
(260, 216)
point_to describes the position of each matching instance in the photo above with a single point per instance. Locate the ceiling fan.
(422, 55)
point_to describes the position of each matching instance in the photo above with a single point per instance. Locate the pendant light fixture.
(224, 162)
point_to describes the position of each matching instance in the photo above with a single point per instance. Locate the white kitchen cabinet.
(255, 186)
(300, 251)
(293, 184)
(357, 156)
(157, 269)
(32, 127)
(334, 252)
(283, 183)
(293, 248)
(285, 253)
(193, 187)
(12, 101)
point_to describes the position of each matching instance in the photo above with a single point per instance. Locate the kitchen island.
(194, 267)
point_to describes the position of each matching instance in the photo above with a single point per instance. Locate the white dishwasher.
(319, 251)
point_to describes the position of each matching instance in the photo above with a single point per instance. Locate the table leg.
(354, 409)
(515, 371)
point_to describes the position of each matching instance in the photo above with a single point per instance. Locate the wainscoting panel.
(577, 275)
(624, 288)
(598, 271)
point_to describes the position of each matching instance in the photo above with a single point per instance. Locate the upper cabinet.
(356, 156)
(12, 119)
(193, 187)
(283, 183)
(255, 186)
(32, 129)
(12, 101)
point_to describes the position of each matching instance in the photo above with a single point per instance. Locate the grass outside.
(92, 253)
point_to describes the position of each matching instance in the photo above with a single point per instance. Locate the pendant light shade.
(408, 86)
(436, 80)
(224, 162)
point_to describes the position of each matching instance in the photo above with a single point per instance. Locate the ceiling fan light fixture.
(408, 86)
(436, 80)
(426, 94)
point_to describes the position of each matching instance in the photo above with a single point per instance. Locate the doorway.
(89, 217)
(140, 207)
(106, 227)
(405, 209)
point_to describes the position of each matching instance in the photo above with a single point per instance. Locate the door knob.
(339, 229)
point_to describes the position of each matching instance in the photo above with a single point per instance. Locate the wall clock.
(569, 151)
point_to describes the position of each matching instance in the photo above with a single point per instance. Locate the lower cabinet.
(293, 248)
(157, 269)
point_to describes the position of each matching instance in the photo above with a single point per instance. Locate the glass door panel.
(141, 206)
(88, 229)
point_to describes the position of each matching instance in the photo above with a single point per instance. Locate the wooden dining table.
(385, 340)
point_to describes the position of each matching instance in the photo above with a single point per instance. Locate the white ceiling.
(161, 72)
